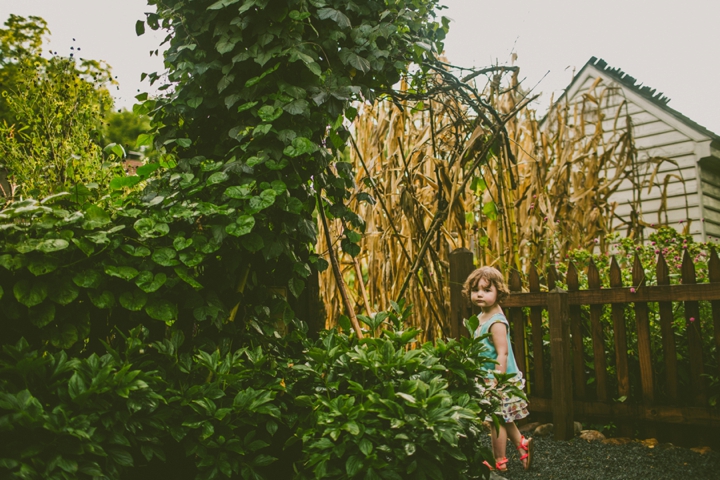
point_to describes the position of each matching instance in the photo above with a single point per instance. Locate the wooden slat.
(642, 323)
(714, 274)
(562, 400)
(668, 333)
(598, 337)
(461, 265)
(517, 323)
(704, 416)
(537, 336)
(619, 334)
(552, 278)
(576, 332)
(652, 293)
(694, 335)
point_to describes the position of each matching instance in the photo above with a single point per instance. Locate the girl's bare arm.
(499, 338)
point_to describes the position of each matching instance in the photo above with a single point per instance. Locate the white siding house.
(688, 178)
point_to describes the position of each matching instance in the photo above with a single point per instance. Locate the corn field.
(471, 166)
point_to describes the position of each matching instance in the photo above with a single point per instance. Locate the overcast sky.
(672, 46)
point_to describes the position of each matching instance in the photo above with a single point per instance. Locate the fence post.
(561, 365)
(461, 265)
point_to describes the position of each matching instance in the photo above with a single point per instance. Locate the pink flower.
(692, 319)
(657, 251)
(632, 289)
(652, 243)
(681, 221)
(545, 219)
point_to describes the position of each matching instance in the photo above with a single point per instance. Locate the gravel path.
(581, 460)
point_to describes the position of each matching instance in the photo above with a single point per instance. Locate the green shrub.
(301, 408)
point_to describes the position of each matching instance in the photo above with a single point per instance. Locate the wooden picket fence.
(563, 389)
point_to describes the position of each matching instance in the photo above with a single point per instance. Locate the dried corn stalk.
(537, 193)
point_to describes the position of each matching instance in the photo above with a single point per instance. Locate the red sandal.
(528, 446)
(499, 465)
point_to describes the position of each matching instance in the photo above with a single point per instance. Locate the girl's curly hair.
(493, 276)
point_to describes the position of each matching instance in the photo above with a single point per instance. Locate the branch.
(336, 271)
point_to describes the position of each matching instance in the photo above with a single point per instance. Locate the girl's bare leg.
(499, 441)
(513, 433)
(515, 436)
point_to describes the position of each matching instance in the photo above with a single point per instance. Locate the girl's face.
(484, 295)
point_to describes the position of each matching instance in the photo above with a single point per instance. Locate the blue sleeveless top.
(491, 351)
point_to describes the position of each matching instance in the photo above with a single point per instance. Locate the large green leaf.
(42, 314)
(65, 336)
(240, 192)
(300, 146)
(336, 15)
(242, 226)
(63, 292)
(165, 256)
(191, 258)
(126, 273)
(269, 114)
(104, 299)
(42, 265)
(84, 245)
(217, 177)
(149, 283)
(264, 200)
(95, 217)
(133, 300)
(52, 245)
(163, 310)
(11, 262)
(88, 279)
(30, 293)
(126, 181)
(187, 277)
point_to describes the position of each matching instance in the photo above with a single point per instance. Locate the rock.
(701, 450)
(577, 427)
(529, 427)
(544, 430)
(650, 442)
(591, 435)
(617, 441)
(495, 476)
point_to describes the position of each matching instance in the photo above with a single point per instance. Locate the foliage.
(20, 47)
(326, 408)
(124, 127)
(54, 114)
(382, 410)
(168, 302)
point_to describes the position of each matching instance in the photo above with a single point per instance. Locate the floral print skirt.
(513, 407)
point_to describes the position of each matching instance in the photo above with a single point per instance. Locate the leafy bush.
(327, 408)
(142, 330)
(53, 112)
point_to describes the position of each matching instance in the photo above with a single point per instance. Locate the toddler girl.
(485, 288)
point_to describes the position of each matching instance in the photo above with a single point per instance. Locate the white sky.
(672, 46)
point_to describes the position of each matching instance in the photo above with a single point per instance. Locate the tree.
(53, 112)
